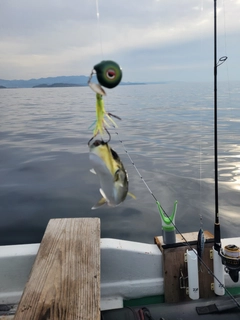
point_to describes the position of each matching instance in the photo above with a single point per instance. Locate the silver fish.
(111, 172)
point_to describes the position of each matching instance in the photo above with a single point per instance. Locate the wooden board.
(64, 283)
(174, 265)
(190, 236)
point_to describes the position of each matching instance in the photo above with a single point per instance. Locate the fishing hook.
(109, 137)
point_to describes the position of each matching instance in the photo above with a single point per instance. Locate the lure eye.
(109, 74)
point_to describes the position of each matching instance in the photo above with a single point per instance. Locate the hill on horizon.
(77, 80)
(52, 81)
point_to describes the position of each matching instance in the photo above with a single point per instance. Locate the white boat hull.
(129, 270)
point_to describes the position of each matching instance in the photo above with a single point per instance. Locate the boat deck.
(7, 312)
(65, 279)
(219, 308)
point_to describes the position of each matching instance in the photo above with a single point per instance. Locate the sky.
(152, 40)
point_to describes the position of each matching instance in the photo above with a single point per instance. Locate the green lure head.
(109, 74)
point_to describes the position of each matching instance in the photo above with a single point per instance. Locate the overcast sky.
(152, 40)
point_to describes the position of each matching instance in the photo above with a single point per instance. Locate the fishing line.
(99, 27)
(200, 171)
(201, 126)
(138, 172)
(226, 54)
(224, 27)
(150, 191)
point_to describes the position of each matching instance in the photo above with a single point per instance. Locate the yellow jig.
(101, 123)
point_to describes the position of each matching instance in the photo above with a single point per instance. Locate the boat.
(132, 276)
(165, 280)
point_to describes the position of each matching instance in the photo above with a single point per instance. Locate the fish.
(111, 173)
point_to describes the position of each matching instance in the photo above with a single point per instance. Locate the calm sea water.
(168, 131)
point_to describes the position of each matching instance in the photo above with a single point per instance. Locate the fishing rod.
(229, 256)
(217, 233)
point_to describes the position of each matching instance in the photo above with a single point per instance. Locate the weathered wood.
(174, 266)
(64, 283)
(190, 236)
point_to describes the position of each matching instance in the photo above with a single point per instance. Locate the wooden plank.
(174, 265)
(64, 283)
(190, 236)
(205, 278)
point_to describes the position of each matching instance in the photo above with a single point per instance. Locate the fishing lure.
(200, 246)
(101, 123)
(109, 75)
(200, 243)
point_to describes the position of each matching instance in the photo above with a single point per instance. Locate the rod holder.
(168, 224)
(193, 282)
(218, 270)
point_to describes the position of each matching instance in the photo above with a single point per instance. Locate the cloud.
(48, 38)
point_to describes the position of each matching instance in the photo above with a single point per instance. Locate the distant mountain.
(2, 87)
(62, 81)
(58, 85)
(77, 80)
